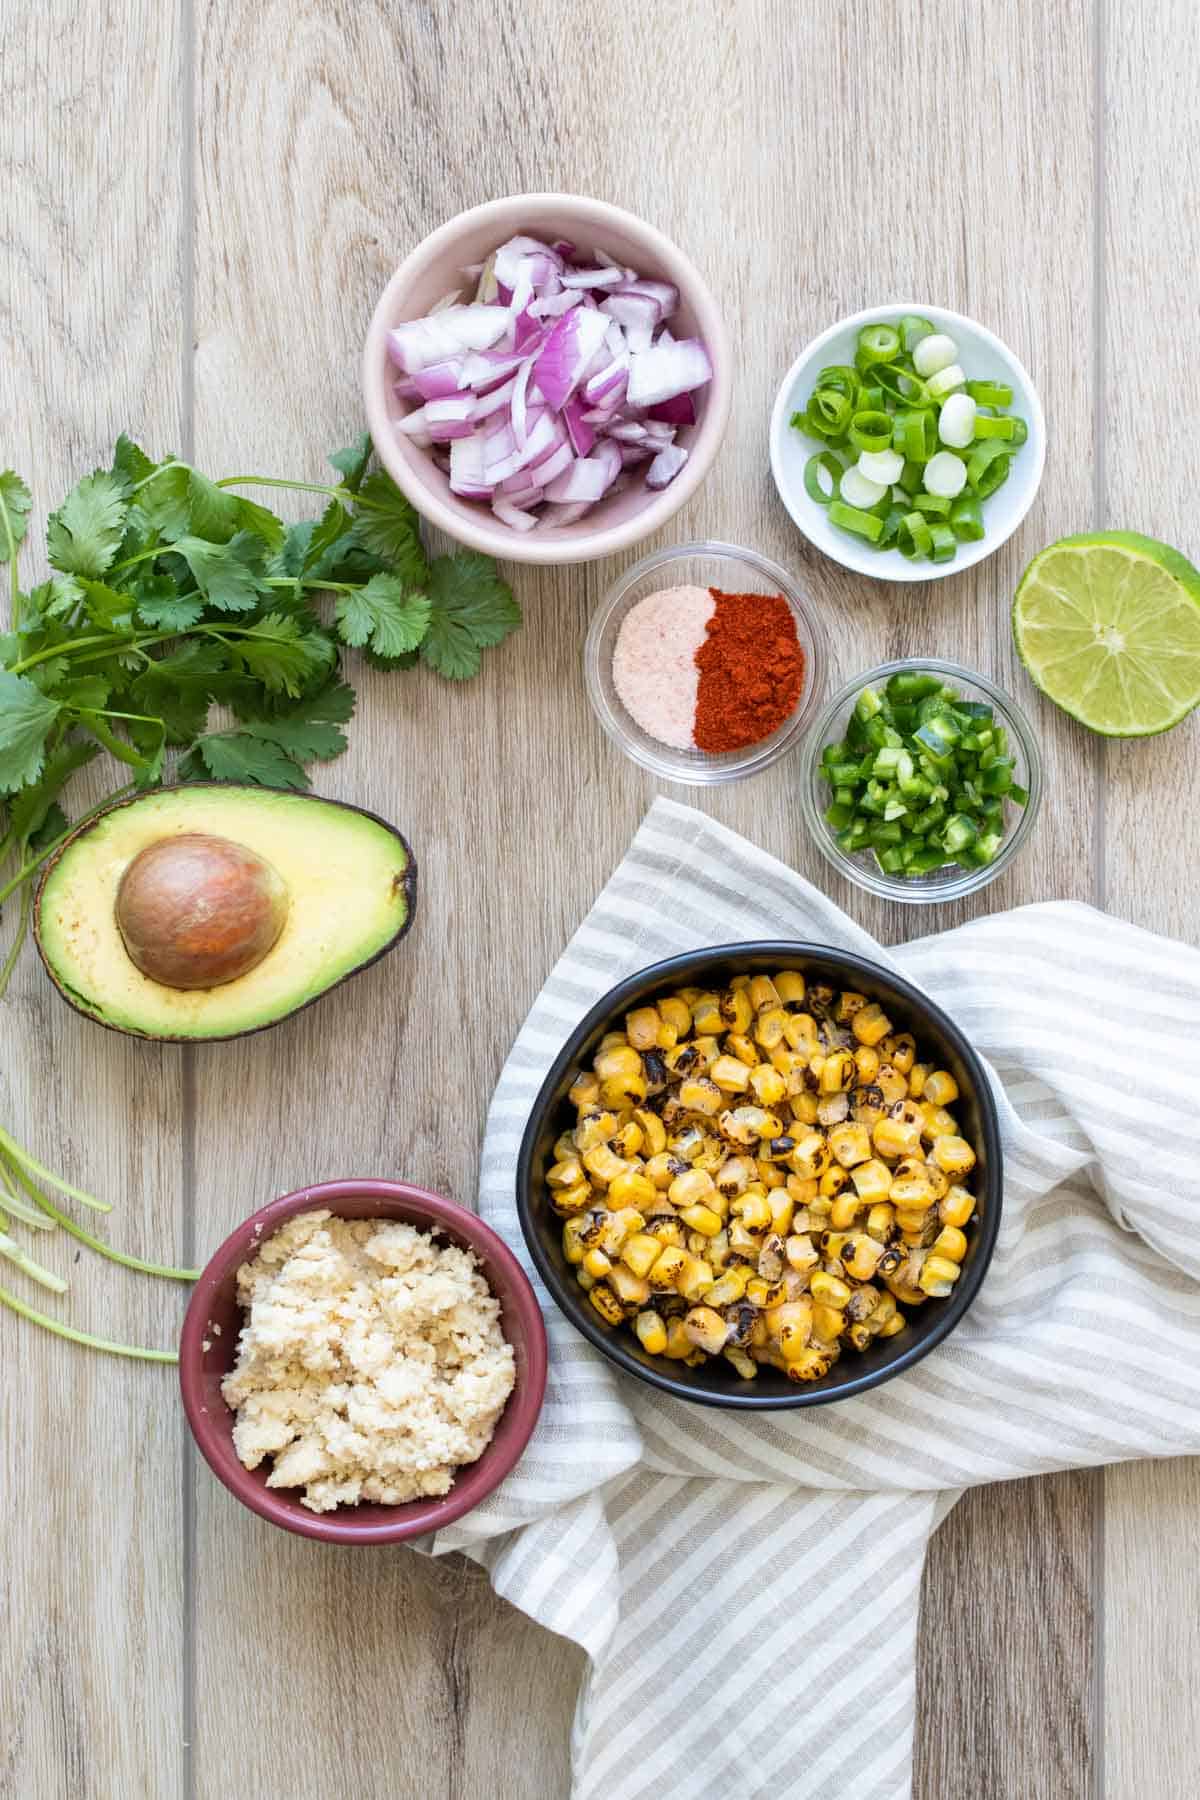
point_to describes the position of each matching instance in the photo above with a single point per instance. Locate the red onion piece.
(666, 370)
(666, 466)
(578, 426)
(566, 353)
(439, 379)
(513, 516)
(498, 399)
(593, 278)
(552, 466)
(564, 515)
(467, 476)
(678, 410)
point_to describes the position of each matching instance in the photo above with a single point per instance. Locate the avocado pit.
(196, 911)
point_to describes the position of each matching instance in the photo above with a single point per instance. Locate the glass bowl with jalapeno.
(907, 442)
(921, 781)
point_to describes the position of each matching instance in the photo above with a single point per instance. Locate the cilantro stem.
(112, 743)
(14, 949)
(109, 639)
(162, 469)
(300, 487)
(85, 1237)
(141, 557)
(83, 1337)
(31, 868)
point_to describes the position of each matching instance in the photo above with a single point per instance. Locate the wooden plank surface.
(91, 1590)
(1151, 166)
(327, 140)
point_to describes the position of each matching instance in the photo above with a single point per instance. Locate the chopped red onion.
(551, 384)
(579, 427)
(662, 372)
(567, 352)
(439, 379)
(678, 410)
(666, 466)
(512, 515)
(552, 466)
(452, 417)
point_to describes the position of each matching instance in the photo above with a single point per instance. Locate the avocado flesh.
(349, 876)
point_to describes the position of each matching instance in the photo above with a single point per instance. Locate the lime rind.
(1108, 627)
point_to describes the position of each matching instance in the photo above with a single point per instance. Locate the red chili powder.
(751, 671)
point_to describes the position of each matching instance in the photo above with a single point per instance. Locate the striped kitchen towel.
(747, 1589)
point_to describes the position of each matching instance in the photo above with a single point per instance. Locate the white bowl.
(984, 358)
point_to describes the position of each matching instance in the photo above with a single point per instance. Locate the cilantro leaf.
(130, 464)
(387, 524)
(332, 704)
(15, 502)
(163, 506)
(228, 575)
(180, 688)
(351, 463)
(161, 606)
(302, 741)
(471, 609)
(111, 610)
(54, 824)
(333, 525)
(26, 715)
(82, 536)
(237, 756)
(280, 653)
(30, 809)
(84, 692)
(262, 523)
(382, 614)
(213, 513)
(52, 599)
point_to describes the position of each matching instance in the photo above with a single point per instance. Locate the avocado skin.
(65, 993)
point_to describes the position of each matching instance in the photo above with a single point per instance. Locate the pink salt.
(654, 662)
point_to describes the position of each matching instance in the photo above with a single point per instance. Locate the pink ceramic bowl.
(208, 1349)
(436, 266)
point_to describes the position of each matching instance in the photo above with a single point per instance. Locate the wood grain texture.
(91, 1649)
(1152, 216)
(328, 139)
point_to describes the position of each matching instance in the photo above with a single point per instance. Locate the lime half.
(1108, 625)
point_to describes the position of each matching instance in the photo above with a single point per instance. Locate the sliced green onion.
(990, 393)
(900, 385)
(1020, 431)
(824, 461)
(871, 399)
(912, 477)
(833, 410)
(914, 434)
(934, 506)
(841, 378)
(852, 518)
(913, 538)
(945, 544)
(989, 427)
(891, 527)
(912, 329)
(945, 381)
(966, 518)
(987, 468)
(871, 430)
(877, 344)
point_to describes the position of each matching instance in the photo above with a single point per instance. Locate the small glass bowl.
(733, 571)
(951, 882)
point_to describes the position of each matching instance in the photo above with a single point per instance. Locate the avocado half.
(351, 890)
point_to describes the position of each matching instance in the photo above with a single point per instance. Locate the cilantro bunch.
(173, 594)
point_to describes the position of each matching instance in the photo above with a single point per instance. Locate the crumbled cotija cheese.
(371, 1364)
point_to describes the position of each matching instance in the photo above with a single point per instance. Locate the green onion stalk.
(23, 1200)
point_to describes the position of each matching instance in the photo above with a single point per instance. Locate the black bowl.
(715, 1382)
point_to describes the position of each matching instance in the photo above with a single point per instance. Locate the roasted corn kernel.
(762, 1173)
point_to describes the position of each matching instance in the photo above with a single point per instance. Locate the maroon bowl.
(208, 1350)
